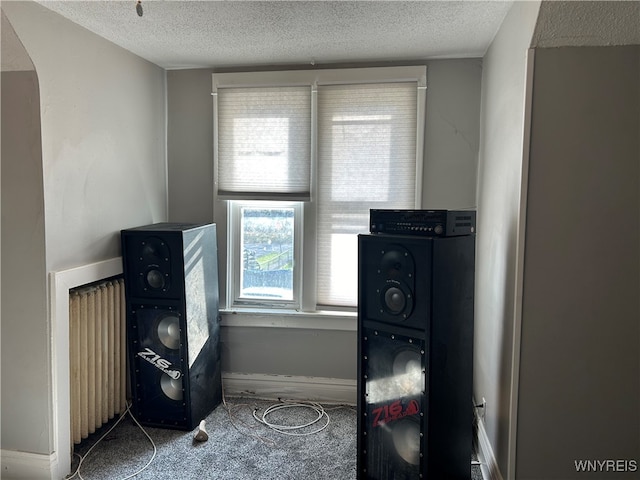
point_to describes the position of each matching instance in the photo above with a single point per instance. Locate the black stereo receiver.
(430, 223)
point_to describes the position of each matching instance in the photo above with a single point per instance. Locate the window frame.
(306, 253)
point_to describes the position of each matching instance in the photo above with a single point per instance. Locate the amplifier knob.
(438, 230)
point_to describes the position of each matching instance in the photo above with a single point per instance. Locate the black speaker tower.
(415, 353)
(173, 327)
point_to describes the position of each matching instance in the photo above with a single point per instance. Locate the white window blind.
(264, 143)
(366, 159)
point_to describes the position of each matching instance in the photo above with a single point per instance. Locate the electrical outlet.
(480, 409)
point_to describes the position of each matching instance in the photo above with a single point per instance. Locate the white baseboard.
(274, 387)
(27, 466)
(488, 464)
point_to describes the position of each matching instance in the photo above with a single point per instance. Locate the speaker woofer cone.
(407, 372)
(406, 440)
(171, 387)
(168, 331)
(395, 300)
(155, 279)
(407, 361)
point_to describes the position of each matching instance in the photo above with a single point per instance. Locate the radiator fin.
(98, 369)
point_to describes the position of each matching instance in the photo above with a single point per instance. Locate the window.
(300, 159)
(267, 238)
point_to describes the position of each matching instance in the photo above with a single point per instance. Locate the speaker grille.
(159, 361)
(150, 266)
(394, 375)
(394, 282)
(391, 289)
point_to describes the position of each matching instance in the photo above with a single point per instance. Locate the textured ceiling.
(591, 23)
(188, 34)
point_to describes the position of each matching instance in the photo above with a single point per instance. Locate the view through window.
(267, 240)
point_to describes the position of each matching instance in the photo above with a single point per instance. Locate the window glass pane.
(266, 247)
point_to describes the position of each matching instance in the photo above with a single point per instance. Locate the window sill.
(268, 318)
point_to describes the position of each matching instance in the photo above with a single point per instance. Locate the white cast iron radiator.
(98, 365)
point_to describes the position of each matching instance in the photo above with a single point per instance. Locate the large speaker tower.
(173, 327)
(415, 343)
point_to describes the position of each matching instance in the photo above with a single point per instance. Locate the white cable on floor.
(291, 429)
(82, 458)
(233, 419)
(284, 429)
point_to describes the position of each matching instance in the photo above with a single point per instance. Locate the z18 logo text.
(394, 411)
(160, 363)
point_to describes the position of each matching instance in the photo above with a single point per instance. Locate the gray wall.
(102, 168)
(450, 163)
(104, 112)
(500, 176)
(542, 362)
(190, 145)
(452, 134)
(23, 256)
(580, 351)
